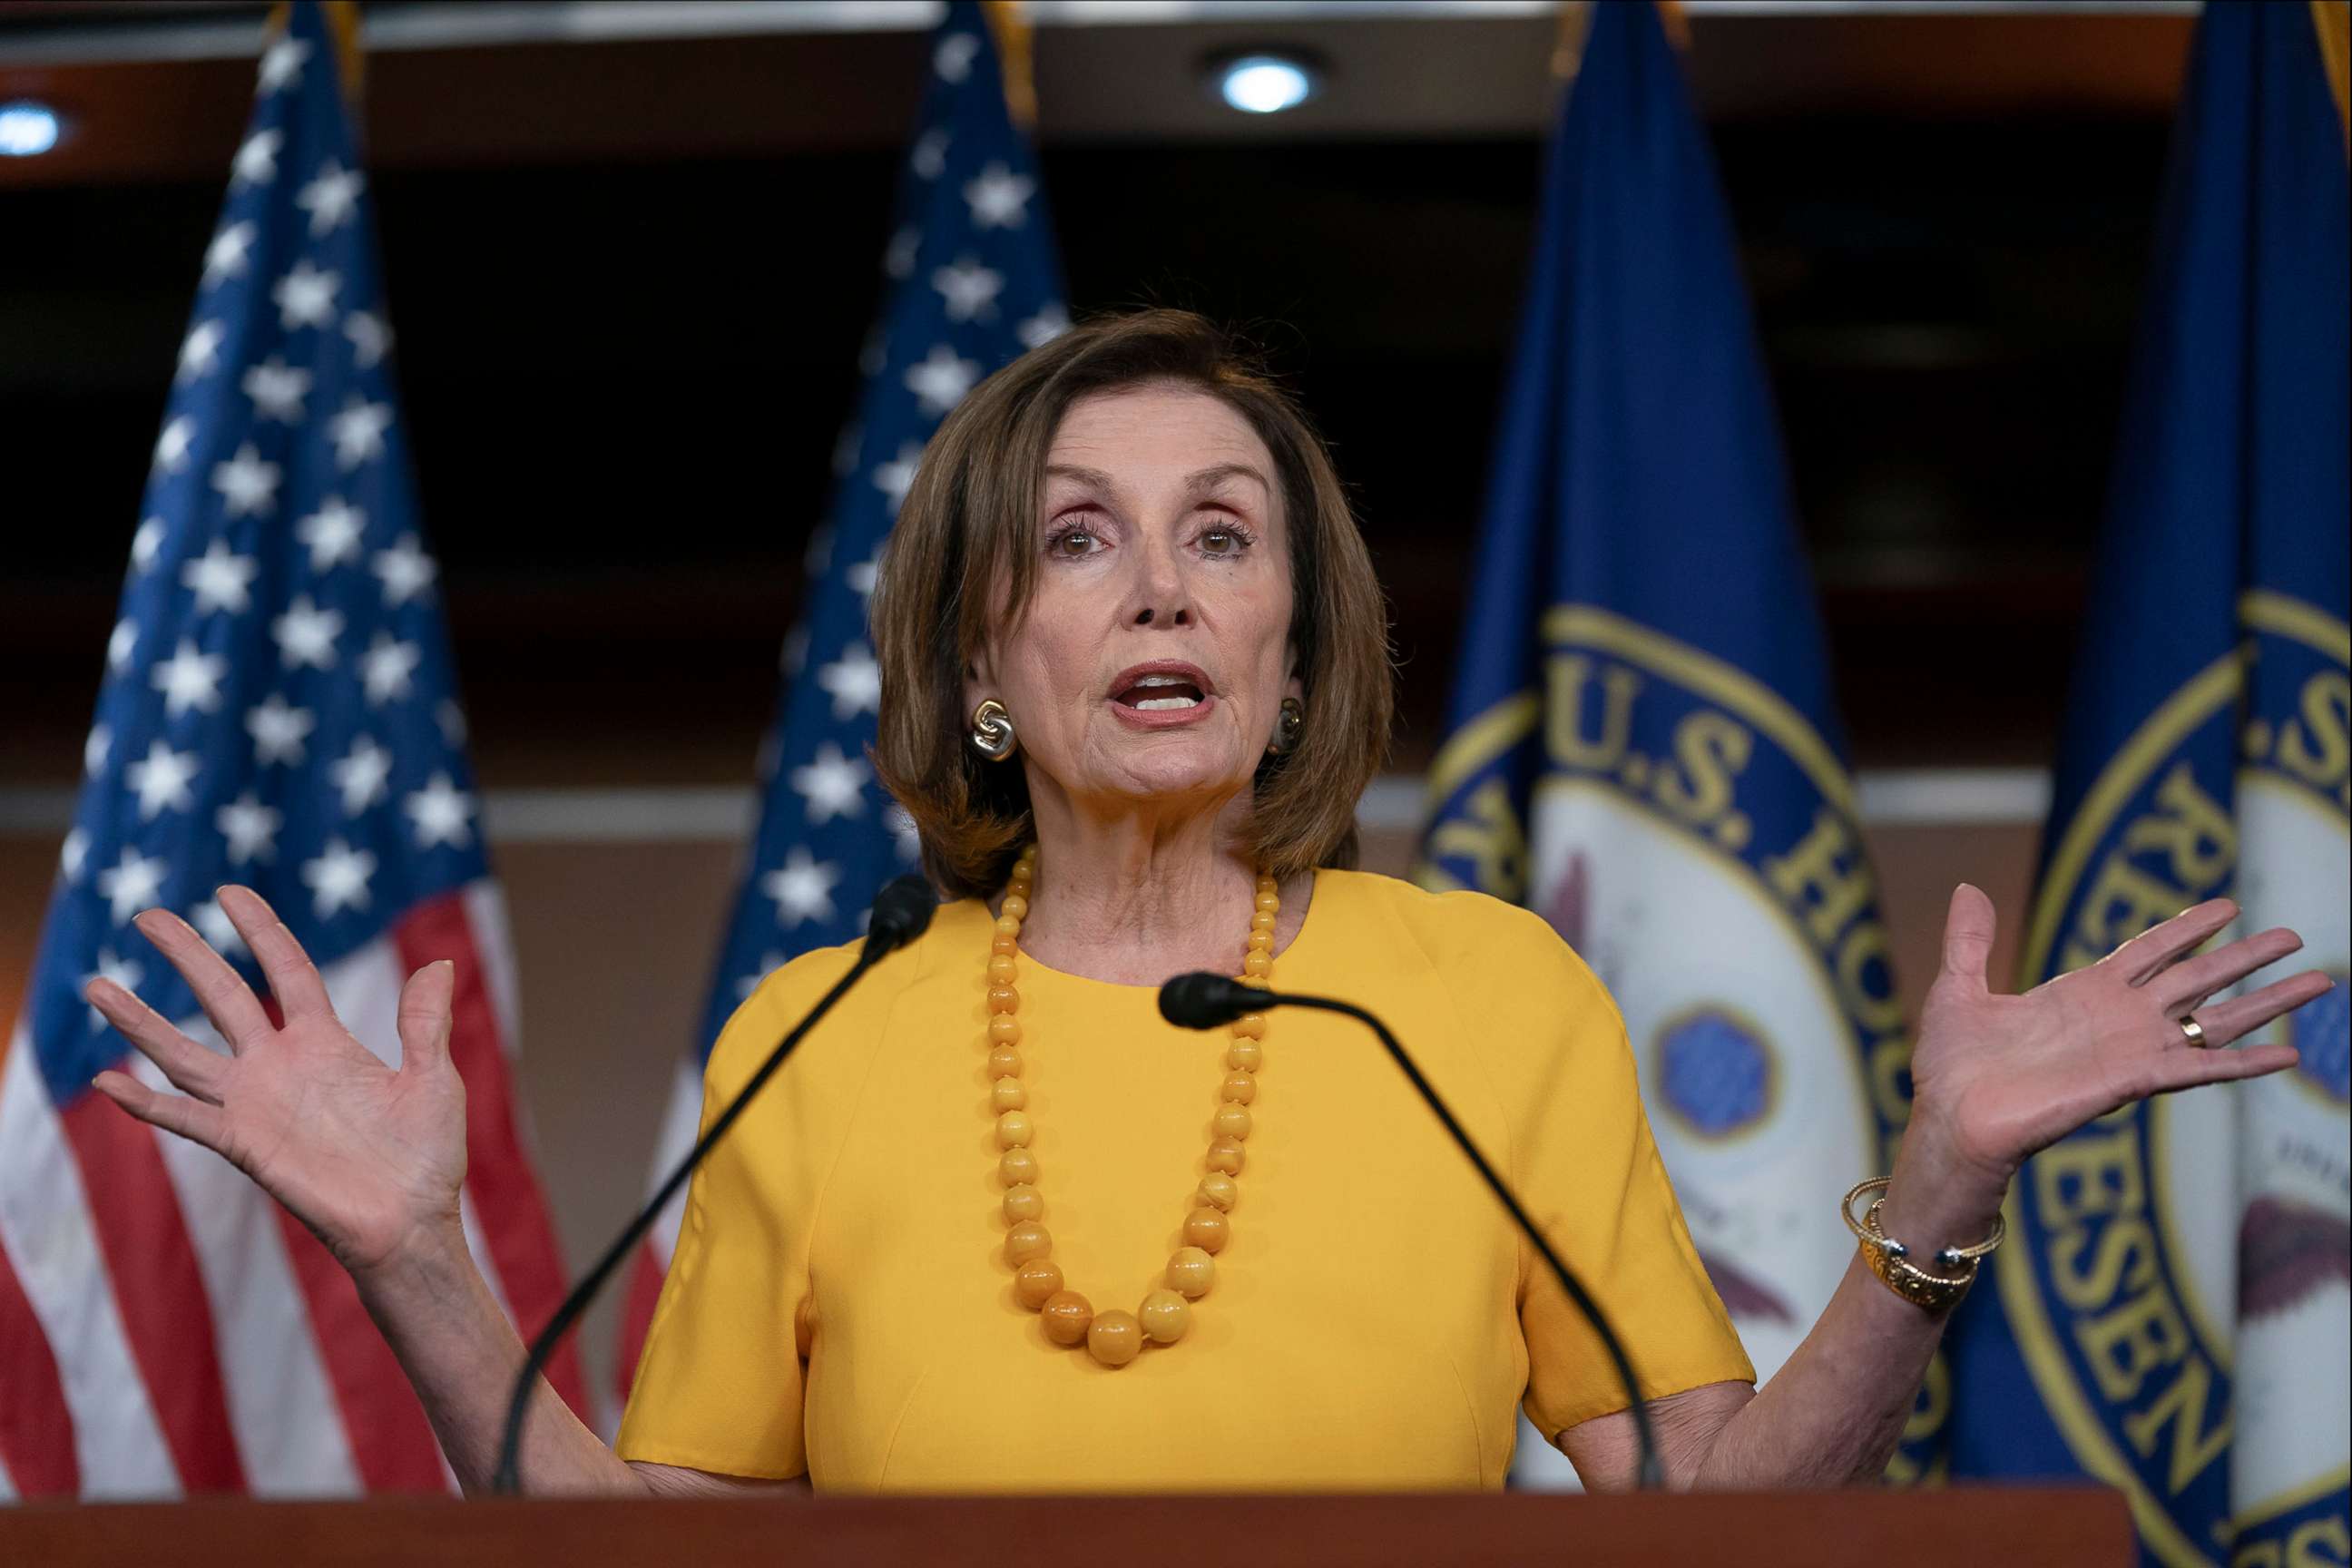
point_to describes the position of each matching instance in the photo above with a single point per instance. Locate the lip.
(1162, 718)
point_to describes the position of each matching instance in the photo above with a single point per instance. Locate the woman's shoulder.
(794, 985)
(1521, 993)
(772, 1007)
(784, 995)
(1462, 931)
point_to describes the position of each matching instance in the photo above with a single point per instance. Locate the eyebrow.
(1196, 484)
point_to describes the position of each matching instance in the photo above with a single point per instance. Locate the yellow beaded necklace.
(1114, 1338)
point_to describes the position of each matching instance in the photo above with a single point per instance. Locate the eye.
(1073, 543)
(1224, 540)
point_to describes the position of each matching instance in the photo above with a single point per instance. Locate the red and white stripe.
(681, 1124)
(165, 1328)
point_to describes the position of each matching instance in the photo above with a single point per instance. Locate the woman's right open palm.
(370, 1158)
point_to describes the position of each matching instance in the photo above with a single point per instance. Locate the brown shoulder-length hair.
(964, 538)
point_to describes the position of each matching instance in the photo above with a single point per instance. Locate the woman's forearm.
(1833, 1413)
(461, 1356)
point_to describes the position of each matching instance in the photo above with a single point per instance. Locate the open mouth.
(1164, 692)
(1155, 693)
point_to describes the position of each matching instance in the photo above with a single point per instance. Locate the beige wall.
(615, 942)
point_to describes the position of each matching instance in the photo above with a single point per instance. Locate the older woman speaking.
(1000, 1227)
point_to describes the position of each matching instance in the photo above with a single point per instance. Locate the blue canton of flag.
(973, 283)
(2174, 1311)
(1642, 743)
(279, 704)
(278, 710)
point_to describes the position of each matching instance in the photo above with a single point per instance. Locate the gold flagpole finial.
(1013, 30)
(1568, 38)
(2333, 18)
(1576, 18)
(1676, 22)
(343, 22)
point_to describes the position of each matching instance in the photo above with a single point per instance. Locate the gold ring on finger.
(2194, 1030)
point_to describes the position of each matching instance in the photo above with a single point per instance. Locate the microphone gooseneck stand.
(1203, 1001)
(901, 911)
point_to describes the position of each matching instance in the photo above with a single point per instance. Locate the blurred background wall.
(631, 251)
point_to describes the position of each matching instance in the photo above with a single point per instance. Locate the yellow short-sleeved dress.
(839, 1302)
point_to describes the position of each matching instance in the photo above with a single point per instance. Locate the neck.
(1133, 895)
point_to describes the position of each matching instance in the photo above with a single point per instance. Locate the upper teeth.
(1159, 681)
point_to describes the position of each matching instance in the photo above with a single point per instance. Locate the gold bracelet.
(1890, 1260)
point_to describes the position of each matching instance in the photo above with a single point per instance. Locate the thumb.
(425, 1014)
(1969, 929)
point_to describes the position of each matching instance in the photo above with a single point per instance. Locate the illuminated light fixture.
(28, 128)
(1265, 83)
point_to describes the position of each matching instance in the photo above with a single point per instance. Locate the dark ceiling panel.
(624, 360)
(1472, 76)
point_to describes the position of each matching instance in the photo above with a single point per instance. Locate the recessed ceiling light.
(28, 128)
(1265, 83)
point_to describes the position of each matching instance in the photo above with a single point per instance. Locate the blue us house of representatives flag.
(278, 709)
(974, 282)
(1642, 743)
(2175, 1301)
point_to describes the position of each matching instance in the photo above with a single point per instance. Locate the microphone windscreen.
(1203, 1001)
(902, 912)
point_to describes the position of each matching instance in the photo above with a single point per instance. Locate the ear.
(1295, 685)
(980, 677)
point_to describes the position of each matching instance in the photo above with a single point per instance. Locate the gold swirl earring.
(991, 731)
(1286, 728)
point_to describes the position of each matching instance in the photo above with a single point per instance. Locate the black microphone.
(1203, 1001)
(901, 911)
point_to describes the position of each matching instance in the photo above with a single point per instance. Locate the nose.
(1160, 596)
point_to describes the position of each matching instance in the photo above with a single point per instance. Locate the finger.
(226, 1000)
(2187, 1069)
(2240, 1015)
(293, 979)
(1969, 927)
(191, 1119)
(2187, 983)
(2159, 945)
(424, 1016)
(190, 1067)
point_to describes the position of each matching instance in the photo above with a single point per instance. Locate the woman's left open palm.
(1997, 1077)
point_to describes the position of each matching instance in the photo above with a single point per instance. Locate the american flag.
(971, 282)
(278, 709)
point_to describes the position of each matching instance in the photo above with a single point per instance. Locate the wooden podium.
(1960, 1526)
